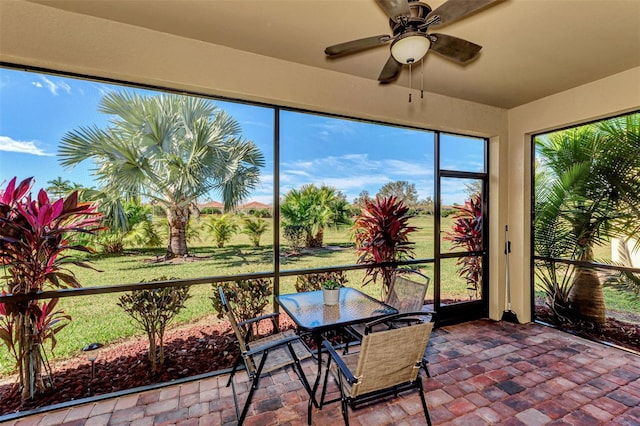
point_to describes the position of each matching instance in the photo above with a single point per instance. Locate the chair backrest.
(234, 324)
(405, 294)
(390, 357)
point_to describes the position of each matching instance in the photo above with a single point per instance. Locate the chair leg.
(425, 361)
(236, 363)
(343, 402)
(424, 401)
(245, 409)
(345, 411)
(252, 389)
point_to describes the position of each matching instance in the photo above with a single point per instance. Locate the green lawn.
(99, 319)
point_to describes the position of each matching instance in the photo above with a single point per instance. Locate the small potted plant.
(331, 292)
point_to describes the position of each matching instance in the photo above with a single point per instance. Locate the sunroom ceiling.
(532, 48)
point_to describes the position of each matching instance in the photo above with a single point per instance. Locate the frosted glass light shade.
(410, 48)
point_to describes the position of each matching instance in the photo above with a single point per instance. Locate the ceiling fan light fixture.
(410, 47)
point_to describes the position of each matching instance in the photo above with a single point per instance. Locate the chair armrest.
(406, 317)
(272, 345)
(257, 319)
(340, 363)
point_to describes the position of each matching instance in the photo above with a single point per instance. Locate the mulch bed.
(189, 350)
(200, 348)
(621, 333)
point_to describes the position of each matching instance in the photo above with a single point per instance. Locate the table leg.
(316, 384)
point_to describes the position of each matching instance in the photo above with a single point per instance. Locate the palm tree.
(170, 149)
(254, 228)
(312, 209)
(59, 187)
(222, 228)
(587, 190)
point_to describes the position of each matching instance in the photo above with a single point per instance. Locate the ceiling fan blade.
(394, 8)
(356, 45)
(390, 71)
(456, 9)
(454, 48)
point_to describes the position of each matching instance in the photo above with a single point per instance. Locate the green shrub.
(295, 236)
(154, 309)
(247, 298)
(311, 282)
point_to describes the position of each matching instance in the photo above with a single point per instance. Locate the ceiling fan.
(409, 21)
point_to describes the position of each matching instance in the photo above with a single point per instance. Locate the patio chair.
(406, 295)
(388, 363)
(263, 355)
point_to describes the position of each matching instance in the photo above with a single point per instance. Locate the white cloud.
(52, 86)
(331, 127)
(399, 167)
(25, 147)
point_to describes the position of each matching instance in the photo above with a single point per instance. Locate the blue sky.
(36, 110)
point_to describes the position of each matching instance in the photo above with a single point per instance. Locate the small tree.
(222, 228)
(254, 228)
(402, 190)
(382, 236)
(295, 236)
(34, 234)
(247, 298)
(154, 309)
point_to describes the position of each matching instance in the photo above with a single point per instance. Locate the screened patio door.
(460, 290)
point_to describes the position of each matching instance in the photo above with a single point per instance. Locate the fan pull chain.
(422, 78)
(410, 65)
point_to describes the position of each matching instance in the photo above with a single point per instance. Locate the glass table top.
(309, 312)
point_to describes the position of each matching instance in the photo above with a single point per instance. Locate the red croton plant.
(467, 234)
(382, 235)
(34, 233)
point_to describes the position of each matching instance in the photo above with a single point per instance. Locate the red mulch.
(190, 350)
(616, 331)
(200, 348)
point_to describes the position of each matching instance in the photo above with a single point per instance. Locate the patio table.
(310, 314)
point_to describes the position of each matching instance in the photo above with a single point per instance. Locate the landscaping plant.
(312, 209)
(467, 235)
(247, 298)
(154, 309)
(382, 236)
(34, 234)
(587, 184)
(170, 149)
(254, 228)
(312, 282)
(222, 228)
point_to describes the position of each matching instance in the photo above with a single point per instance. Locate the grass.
(99, 319)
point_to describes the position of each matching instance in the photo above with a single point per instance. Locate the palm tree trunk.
(317, 240)
(586, 297)
(178, 219)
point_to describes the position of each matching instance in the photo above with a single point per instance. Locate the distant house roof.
(254, 205)
(211, 205)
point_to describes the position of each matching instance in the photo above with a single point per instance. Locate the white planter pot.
(331, 297)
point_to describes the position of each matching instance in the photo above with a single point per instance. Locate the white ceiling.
(531, 48)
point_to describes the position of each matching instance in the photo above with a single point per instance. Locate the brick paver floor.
(483, 372)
